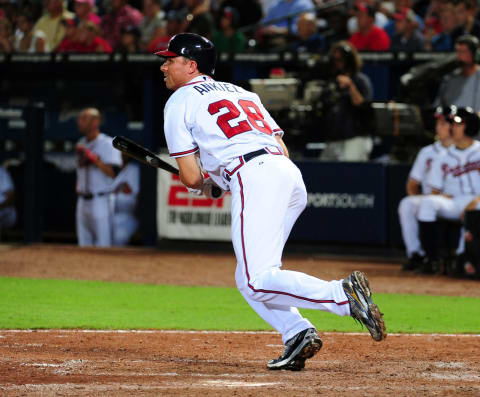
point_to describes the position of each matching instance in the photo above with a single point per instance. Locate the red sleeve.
(383, 41)
(354, 41)
(102, 45)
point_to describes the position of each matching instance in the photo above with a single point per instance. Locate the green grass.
(32, 303)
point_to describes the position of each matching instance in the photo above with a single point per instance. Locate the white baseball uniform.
(456, 173)
(126, 187)
(94, 211)
(8, 215)
(409, 205)
(233, 133)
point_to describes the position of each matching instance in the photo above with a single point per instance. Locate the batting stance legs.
(268, 195)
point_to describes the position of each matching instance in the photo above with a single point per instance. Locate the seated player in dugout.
(241, 147)
(417, 187)
(455, 182)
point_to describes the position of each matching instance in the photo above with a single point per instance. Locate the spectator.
(227, 39)
(84, 11)
(153, 24)
(462, 86)
(455, 182)
(443, 41)
(249, 11)
(200, 20)
(70, 41)
(121, 15)
(369, 37)
(98, 164)
(407, 38)
(89, 39)
(126, 187)
(51, 22)
(346, 118)
(399, 5)
(27, 39)
(8, 213)
(417, 187)
(176, 22)
(282, 8)
(380, 19)
(129, 41)
(276, 34)
(5, 36)
(308, 39)
(465, 11)
(337, 27)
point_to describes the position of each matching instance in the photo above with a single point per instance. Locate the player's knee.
(427, 211)
(403, 206)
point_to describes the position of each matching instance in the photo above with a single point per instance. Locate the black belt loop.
(89, 196)
(247, 157)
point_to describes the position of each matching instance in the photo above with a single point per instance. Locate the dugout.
(129, 90)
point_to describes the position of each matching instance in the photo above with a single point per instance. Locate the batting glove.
(90, 156)
(196, 192)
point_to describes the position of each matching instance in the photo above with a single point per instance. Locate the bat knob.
(216, 192)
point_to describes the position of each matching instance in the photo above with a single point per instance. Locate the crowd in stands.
(234, 25)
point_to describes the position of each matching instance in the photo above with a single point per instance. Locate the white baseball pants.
(407, 214)
(268, 195)
(94, 221)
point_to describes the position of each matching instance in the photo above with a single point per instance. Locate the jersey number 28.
(254, 116)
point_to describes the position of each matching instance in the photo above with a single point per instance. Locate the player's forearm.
(282, 144)
(107, 169)
(355, 95)
(190, 173)
(413, 187)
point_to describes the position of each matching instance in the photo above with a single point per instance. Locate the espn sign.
(182, 215)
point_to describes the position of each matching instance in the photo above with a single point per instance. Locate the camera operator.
(347, 118)
(462, 87)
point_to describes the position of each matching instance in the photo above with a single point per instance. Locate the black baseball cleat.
(301, 347)
(362, 308)
(413, 262)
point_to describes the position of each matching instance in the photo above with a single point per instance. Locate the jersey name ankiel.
(216, 86)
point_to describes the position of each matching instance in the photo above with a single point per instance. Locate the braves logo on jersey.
(457, 171)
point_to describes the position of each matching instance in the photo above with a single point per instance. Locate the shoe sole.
(300, 355)
(379, 332)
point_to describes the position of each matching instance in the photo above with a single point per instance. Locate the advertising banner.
(346, 203)
(182, 215)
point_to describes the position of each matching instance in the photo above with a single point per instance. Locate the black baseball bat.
(142, 154)
(146, 156)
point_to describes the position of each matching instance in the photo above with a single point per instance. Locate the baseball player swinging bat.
(145, 156)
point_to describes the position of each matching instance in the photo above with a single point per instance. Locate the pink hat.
(91, 2)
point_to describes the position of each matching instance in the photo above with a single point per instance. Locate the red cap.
(404, 14)
(366, 8)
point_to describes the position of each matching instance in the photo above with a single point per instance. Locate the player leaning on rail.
(241, 148)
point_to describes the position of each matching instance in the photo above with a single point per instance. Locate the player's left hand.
(196, 192)
(90, 156)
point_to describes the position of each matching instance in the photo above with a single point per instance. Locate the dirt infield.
(168, 363)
